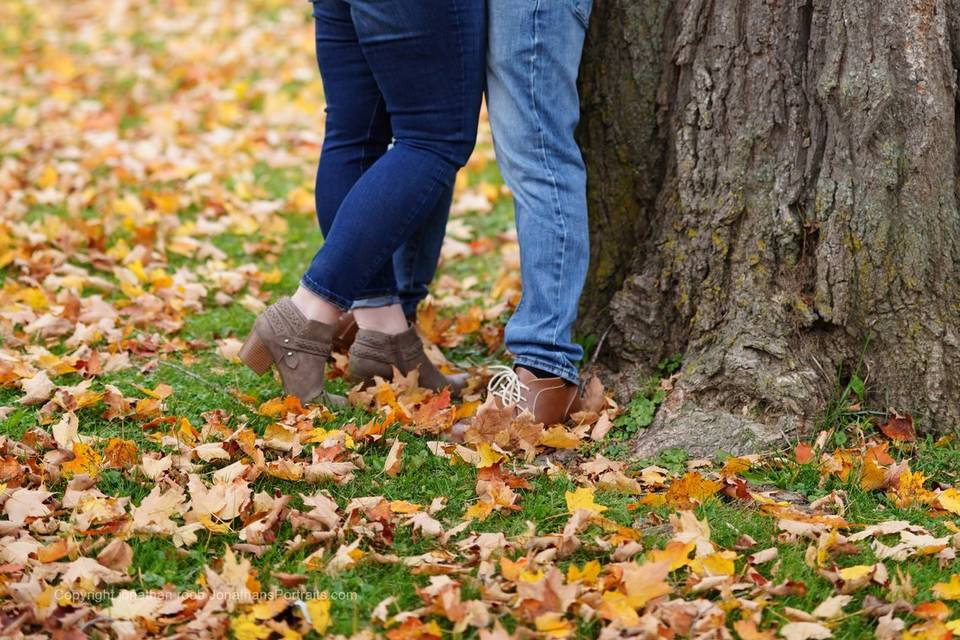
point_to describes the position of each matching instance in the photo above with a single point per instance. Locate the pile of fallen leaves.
(134, 138)
(59, 546)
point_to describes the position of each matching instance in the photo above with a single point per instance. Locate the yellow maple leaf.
(86, 460)
(35, 298)
(480, 510)
(855, 573)
(582, 498)
(466, 409)
(531, 577)
(488, 456)
(623, 534)
(734, 466)
(160, 392)
(931, 630)
(403, 506)
(214, 527)
(715, 564)
(137, 267)
(855, 578)
(554, 625)
(691, 490)
(247, 627)
(271, 277)
(285, 469)
(48, 177)
(909, 490)
(588, 574)
(650, 500)
(319, 610)
(675, 552)
(872, 475)
(949, 500)
(824, 545)
(159, 279)
(616, 607)
(511, 570)
(269, 608)
(166, 202)
(948, 590)
(559, 438)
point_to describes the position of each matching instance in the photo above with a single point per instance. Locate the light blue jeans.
(532, 64)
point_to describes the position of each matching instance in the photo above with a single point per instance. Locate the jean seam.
(558, 210)
(411, 249)
(463, 74)
(363, 147)
(582, 13)
(331, 297)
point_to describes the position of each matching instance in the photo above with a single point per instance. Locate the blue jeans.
(415, 263)
(533, 61)
(410, 72)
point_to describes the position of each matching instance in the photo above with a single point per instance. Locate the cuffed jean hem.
(411, 305)
(385, 300)
(341, 303)
(568, 373)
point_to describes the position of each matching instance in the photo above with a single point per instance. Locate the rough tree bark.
(773, 189)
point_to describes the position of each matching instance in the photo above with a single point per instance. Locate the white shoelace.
(506, 385)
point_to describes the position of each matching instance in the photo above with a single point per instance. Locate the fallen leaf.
(805, 631)
(899, 428)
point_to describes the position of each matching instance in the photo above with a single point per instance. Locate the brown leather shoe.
(376, 354)
(345, 333)
(550, 400)
(298, 346)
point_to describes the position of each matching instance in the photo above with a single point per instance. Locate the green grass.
(202, 380)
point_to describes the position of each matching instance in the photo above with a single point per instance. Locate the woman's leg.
(428, 59)
(357, 134)
(357, 131)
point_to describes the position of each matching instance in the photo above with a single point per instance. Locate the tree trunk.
(773, 195)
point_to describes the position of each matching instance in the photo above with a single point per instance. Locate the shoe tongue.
(526, 376)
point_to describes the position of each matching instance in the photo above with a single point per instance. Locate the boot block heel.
(255, 354)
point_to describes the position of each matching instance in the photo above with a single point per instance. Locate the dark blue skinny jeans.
(400, 71)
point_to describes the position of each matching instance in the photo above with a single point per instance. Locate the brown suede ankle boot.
(347, 328)
(298, 346)
(345, 333)
(376, 354)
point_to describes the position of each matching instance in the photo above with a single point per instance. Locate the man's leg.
(533, 61)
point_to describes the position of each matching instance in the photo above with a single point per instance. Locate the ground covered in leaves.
(156, 164)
